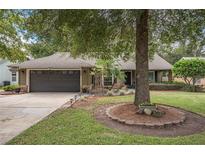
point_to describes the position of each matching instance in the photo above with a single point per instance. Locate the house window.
(13, 76)
(151, 76)
(108, 81)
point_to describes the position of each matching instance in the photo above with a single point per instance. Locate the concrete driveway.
(19, 112)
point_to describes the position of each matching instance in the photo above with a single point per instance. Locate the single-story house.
(6, 76)
(61, 72)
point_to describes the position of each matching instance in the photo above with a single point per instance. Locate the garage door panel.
(55, 81)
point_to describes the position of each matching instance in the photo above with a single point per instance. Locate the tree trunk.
(141, 79)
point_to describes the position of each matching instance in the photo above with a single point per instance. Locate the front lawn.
(78, 126)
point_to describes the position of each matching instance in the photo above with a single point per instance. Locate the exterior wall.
(22, 77)
(170, 76)
(161, 78)
(86, 77)
(5, 73)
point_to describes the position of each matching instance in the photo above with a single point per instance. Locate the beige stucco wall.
(160, 75)
(22, 77)
(86, 77)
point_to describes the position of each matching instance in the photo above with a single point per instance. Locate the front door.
(128, 78)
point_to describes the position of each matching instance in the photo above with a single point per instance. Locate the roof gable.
(56, 61)
(62, 60)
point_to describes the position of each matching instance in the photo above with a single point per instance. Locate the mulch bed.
(126, 113)
(194, 123)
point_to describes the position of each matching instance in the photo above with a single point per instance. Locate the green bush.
(11, 87)
(174, 82)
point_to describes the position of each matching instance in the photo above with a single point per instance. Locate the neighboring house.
(6, 74)
(61, 72)
(200, 81)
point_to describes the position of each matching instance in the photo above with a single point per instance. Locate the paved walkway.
(19, 112)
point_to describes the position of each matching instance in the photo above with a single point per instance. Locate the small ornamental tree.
(106, 68)
(190, 70)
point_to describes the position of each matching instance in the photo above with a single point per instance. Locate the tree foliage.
(189, 70)
(108, 68)
(92, 32)
(172, 33)
(180, 33)
(10, 39)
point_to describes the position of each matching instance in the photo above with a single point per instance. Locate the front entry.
(128, 78)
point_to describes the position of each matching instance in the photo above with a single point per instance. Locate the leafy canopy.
(11, 45)
(187, 37)
(111, 33)
(100, 33)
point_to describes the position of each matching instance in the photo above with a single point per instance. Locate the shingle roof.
(157, 63)
(66, 61)
(55, 61)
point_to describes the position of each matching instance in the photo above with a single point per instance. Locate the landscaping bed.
(126, 113)
(13, 90)
(194, 123)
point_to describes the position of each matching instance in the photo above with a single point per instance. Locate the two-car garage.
(54, 80)
(59, 72)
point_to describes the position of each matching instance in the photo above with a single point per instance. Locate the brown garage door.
(55, 81)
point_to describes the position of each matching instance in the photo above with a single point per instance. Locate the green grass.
(78, 126)
(194, 102)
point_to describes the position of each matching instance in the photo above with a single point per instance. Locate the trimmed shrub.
(11, 87)
(163, 86)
